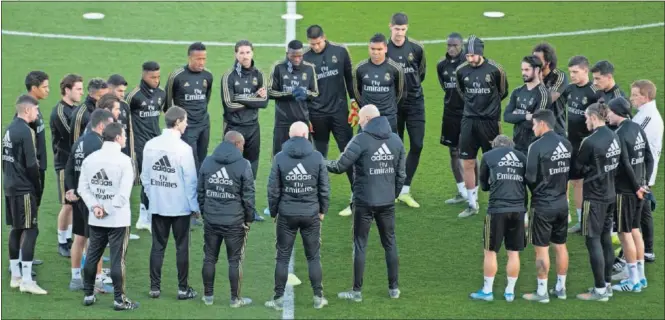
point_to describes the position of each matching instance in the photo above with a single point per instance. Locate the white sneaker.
(31, 287)
(346, 212)
(134, 236)
(15, 282)
(143, 225)
(106, 279)
(469, 211)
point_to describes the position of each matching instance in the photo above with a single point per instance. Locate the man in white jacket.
(169, 179)
(105, 185)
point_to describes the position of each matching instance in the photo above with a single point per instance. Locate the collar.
(171, 133)
(406, 39)
(453, 59)
(237, 66)
(146, 89)
(63, 102)
(112, 145)
(614, 87)
(647, 106)
(90, 101)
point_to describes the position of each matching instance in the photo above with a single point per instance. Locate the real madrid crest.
(304, 76)
(466, 78)
(334, 59)
(445, 73)
(410, 57)
(255, 81)
(488, 78)
(531, 101)
(205, 83)
(387, 77)
(584, 100)
(159, 100)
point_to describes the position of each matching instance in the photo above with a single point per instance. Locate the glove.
(353, 115)
(300, 93)
(652, 200)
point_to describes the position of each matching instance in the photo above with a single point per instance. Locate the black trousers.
(42, 181)
(338, 125)
(412, 118)
(161, 227)
(235, 238)
(646, 224)
(139, 166)
(385, 221)
(99, 237)
(198, 138)
(252, 149)
(310, 231)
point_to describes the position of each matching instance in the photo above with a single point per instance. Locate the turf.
(440, 255)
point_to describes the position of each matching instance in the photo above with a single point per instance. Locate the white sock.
(76, 273)
(69, 231)
(27, 271)
(16, 271)
(472, 197)
(579, 215)
(632, 272)
(62, 236)
(488, 284)
(560, 282)
(542, 287)
(98, 277)
(20, 254)
(510, 287)
(405, 189)
(461, 189)
(640, 269)
(601, 290)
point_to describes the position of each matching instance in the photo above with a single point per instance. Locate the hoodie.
(226, 187)
(377, 156)
(298, 183)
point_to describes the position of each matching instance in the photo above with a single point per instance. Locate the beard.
(528, 78)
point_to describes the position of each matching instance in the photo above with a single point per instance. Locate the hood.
(298, 147)
(379, 128)
(91, 103)
(226, 153)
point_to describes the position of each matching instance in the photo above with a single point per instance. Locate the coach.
(378, 159)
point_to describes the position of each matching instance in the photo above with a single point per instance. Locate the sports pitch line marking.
(350, 44)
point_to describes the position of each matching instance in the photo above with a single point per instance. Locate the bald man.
(298, 193)
(377, 157)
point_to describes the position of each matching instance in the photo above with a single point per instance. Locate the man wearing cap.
(483, 85)
(97, 87)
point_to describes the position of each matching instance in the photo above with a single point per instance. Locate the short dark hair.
(399, 19)
(107, 101)
(456, 35)
(116, 80)
(546, 116)
(35, 79)
(243, 43)
(174, 114)
(112, 131)
(549, 53)
(196, 46)
(598, 109)
(96, 83)
(314, 31)
(377, 37)
(604, 67)
(27, 99)
(150, 66)
(295, 45)
(100, 116)
(68, 82)
(580, 61)
(533, 61)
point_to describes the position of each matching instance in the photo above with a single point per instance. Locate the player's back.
(548, 168)
(599, 159)
(504, 168)
(15, 161)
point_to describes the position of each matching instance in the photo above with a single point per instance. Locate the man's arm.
(545, 101)
(323, 187)
(348, 73)
(346, 160)
(484, 175)
(400, 170)
(501, 80)
(31, 161)
(124, 194)
(459, 81)
(209, 90)
(84, 190)
(189, 178)
(201, 192)
(422, 68)
(146, 168)
(170, 88)
(358, 85)
(628, 168)
(274, 188)
(559, 85)
(532, 166)
(255, 101)
(228, 93)
(583, 156)
(248, 193)
(313, 89)
(70, 181)
(275, 86)
(59, 123)
(439, 74)
(400, 84)
(129, 99)
(509, 114)
(648, 161)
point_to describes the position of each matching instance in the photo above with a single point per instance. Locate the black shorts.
(337, 124)
(80, 219)
(450, 131)
(279, 136)
(597, 217)
(628, 212)
(476, 134)
(547, 228)
(411, 111)
(507, 226)
(252, 135)
(21, 211)
(575, 142)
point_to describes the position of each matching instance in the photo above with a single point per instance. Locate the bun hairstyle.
(599, 110)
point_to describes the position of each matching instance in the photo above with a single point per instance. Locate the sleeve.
(400, 170)
(532, 166)
(348, 73)
(209, 91)
(649, 162)
(60, 123)
(275, 86)
(124, 194)
(189, 177)
(313, 90)
(201, 192)
(580, 167)
(484, 175)
(274, 188)
(508, 115)
(439, 74)
(564, 96)
(31, 161)
(423, 64)
(545, 101)
(70, 181)
(76, 125)
(146, 169)
(248, 193)
(228, 94)
(502, 81)
(84, 190)
(559, 86)
(400, 85)
(346, 160)
(627, 167)
(129, 99)
(169, 88)
(254, 102)
(358, 86)
(323, 187)
(459, 82)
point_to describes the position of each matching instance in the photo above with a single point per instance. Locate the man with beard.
(97, 87)
(555, 81)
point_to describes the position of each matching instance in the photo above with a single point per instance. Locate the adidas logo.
(163, 165)
(366, 76)
(79, 153)
(143, 104)
(510, 160)
(186, 84)
(383, 154)
(6, 141)
(613, 150)
(221, 177)
(100, 178)
(298, 174)
(639, 142)
(560, 153)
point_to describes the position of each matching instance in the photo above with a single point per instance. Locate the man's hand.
(261, 92)
(98, 212)
(71, 196)
(274, 220)
(528, 117)
(246, 225)
(311, 127)
(300, 93)
(321, 216)
(641, 192)
(353, 115)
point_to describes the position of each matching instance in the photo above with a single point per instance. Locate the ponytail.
(599, 110)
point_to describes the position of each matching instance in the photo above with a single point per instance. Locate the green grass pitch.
(440, 255)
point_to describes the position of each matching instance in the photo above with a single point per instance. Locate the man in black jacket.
(298, 193)
(226, 198)
(97, 88)
(377, 156)
(502, 174)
